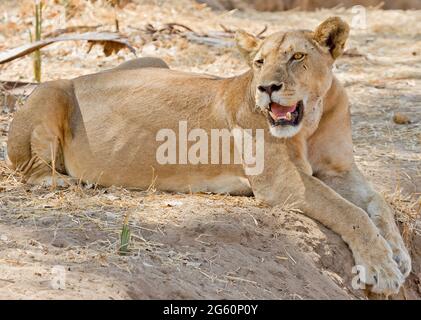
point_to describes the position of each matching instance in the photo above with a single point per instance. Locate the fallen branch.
(17, 88)
(10, 85)
(72, 29)
(218, 39)
(211, 41)
(114, 39)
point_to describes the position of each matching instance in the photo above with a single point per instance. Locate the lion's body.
(106, 133)
(114, 130)
(103, 128)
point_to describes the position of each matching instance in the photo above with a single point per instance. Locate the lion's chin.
(284, 131)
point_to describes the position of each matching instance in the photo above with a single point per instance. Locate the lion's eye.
(259, 62)
(298, 56)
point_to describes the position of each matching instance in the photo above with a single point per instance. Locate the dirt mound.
(183, 247)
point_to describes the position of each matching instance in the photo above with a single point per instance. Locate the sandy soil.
(201, 245)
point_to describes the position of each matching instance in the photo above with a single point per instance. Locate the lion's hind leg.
(37, 133)
(46, 165)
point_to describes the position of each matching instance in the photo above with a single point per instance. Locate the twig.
(262, 32)
(289, 256)
(211, 41)
(175, 24)
(241, 279)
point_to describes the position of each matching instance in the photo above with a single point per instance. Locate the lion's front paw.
(379, 269)
(401, 255)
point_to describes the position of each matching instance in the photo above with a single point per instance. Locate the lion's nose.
(271, 88)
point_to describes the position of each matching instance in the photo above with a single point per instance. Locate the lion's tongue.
(281, 111)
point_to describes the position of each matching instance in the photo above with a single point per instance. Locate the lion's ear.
(332, 34)
(247, 44)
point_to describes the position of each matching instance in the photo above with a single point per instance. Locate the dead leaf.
(400, 118)
(109, 47)
(119, 3)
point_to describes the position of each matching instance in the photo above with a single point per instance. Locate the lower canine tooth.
(288, 116)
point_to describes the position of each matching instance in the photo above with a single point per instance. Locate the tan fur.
(102, 129)
(146, 62)
(333, 34)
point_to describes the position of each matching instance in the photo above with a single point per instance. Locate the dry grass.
(407, 213)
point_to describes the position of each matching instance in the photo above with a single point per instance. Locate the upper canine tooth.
(288, 116)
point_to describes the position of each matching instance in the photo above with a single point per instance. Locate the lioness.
(102, 128)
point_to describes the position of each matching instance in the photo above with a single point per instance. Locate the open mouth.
(285, 115)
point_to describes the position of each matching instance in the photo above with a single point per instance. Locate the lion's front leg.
(354, 187)
(282, 182)
(318, 201)
(370, 250)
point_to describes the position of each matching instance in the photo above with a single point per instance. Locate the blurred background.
(279, 5)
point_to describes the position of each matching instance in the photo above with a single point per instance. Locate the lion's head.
(292, 71)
